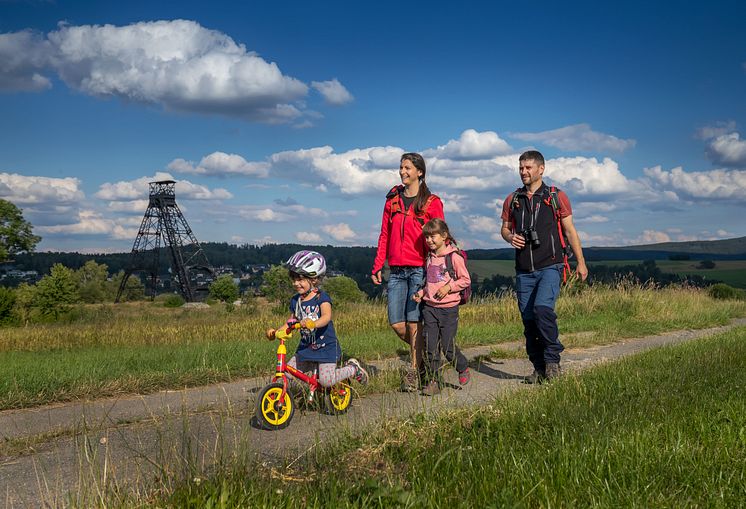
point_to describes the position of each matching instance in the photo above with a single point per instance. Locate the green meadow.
(144, 347)
(666, 428)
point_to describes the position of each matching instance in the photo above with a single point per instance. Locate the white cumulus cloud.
(470, 176)
(333, 91)
(139, 189)
(471, 145)
(340, 232)
(220, 164)
(728, 150)
(595, 218)
(23, 57)
(31, 190)
(713, 131)
(92, 223)
(279, 212)
(482, 226)
(130, 207)
(176, 64)
(713, 184)
(352, 172)
(588, 176)
(652, 237)
(308, 237)
(577, 137)
(453, 202)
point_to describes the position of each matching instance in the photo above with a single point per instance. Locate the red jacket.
(401, 241)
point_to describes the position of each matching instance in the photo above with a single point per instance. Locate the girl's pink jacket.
(436, 276)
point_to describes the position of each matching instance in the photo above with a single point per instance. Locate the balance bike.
(275, 405)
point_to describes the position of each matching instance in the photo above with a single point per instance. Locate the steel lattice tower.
(165, 226)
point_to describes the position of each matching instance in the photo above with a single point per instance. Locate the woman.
(408, 207)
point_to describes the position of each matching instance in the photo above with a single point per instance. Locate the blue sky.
(285, 123)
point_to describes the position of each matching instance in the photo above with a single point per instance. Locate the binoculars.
(531, 237)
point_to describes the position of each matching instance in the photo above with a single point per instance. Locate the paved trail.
(52, 453)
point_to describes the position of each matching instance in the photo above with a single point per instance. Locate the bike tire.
(338, 398)
(272, 413)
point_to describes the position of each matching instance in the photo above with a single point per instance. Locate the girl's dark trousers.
(439, 333)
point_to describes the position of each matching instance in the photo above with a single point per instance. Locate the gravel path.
(53, 454)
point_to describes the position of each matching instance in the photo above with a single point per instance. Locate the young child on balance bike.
(311, 312)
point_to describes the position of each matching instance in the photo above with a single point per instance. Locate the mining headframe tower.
(164, 228)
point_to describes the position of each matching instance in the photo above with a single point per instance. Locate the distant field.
(488, 268)
(732, 272)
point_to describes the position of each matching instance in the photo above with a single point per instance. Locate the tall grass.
(125, 348)
(662, 429)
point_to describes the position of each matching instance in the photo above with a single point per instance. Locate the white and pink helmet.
(307, 263)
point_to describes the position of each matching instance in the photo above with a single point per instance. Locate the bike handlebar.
(286, 332)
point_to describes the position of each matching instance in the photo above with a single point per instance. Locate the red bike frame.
(283, 368)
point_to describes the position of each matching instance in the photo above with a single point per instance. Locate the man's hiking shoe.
(410, 380)
(536, 377)
(464, 377)
(553, 370)
(431, 389)
(360, 374)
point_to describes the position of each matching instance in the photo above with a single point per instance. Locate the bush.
(91, 281)
(56, 292)
(7, 301)
(173, 301)
(343, 289)
(725, 292)
(224, 289)
(25, 295)
(706, 264)
(277, 287)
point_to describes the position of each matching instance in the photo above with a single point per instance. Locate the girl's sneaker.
(360, 374)
(464, 377)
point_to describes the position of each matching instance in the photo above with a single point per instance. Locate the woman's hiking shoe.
(431, 389)
(464, 377)
(536, 377)
(410, 380)
(553, 370)
(360, 374)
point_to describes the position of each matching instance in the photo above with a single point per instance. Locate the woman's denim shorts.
(404, 282)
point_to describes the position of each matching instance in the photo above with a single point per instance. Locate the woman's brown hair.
(424, 193)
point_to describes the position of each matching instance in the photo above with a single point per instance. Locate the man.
(536, 221)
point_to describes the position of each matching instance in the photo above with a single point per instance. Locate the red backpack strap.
(514, 204)
(553, 201)
(394, 192)
(393, 197)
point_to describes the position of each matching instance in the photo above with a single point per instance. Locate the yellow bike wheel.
(337, 399)
(270, 411)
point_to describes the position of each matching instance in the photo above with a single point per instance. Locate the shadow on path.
(482, 367)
